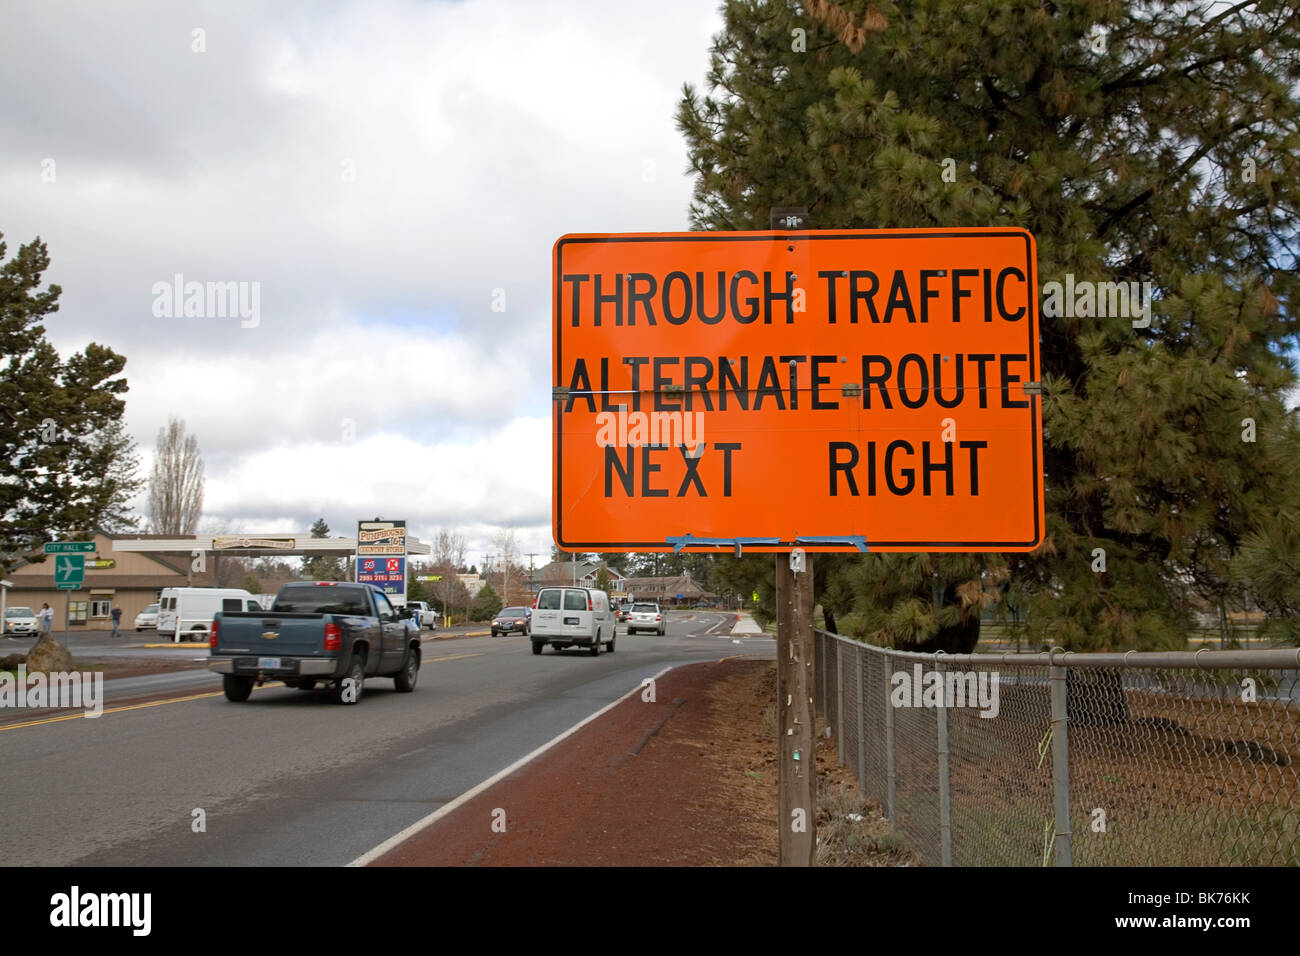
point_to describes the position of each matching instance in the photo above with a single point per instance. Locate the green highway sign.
(69, 547)
(69, 570)
(69, 587)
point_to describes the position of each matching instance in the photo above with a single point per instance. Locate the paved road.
(292, 778)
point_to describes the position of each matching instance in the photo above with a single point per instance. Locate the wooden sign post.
(797, 758)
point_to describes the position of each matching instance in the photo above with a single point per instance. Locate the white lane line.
(446, 808)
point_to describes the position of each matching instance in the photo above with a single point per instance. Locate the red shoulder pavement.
(611, 794)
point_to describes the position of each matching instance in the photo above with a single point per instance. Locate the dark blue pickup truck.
(322, 631)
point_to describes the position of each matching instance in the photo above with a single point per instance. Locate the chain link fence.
(1136, 759)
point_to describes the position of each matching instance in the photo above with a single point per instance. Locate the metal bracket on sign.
(858, 541)
(689, 539)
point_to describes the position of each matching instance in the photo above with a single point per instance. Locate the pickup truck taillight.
(333, 637)
(658, 617)
(212, 637)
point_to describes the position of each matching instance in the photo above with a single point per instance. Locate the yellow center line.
(178, 700)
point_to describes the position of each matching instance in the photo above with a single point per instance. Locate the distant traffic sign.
(828, 390)
(69, 569)
(68, 587)
(69, 547)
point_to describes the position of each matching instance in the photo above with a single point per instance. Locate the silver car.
(20, 621)
(147, 618)
(645, 617)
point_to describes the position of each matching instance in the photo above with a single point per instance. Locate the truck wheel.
(405, 679)
(537, 648)
(347, 690)
(610, 645)
(595, 647)
(236, 688)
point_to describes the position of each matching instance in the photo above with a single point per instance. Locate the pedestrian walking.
(117, 617)
(47, 618)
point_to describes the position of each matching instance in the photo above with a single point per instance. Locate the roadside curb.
(453, 637)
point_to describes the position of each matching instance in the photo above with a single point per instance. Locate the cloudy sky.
(392, 174)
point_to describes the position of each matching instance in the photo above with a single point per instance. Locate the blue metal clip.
(857, 540)
(738, 543)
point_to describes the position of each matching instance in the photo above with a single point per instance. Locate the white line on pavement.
(446, 808)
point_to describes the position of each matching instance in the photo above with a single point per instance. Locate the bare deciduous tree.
(448, 557)
(176, 486)
(507, 544)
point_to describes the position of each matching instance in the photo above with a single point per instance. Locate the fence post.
(889, 744)
(839, 700)
(858, 655)
(945, 809)
(826, 707)
(1060, 766)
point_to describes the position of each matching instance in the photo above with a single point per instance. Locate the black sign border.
(1031, 325)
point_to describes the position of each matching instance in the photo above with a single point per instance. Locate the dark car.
(510, 620)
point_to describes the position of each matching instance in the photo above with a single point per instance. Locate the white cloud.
(479, 132)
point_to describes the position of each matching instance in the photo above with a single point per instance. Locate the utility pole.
(797, 759)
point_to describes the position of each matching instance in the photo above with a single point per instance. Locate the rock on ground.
(48, 656)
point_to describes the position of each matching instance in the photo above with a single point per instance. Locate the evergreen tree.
(66, 464)
(323, 567)
(486, 604)
(1137, 142)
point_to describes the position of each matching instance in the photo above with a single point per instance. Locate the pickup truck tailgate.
(273, 635)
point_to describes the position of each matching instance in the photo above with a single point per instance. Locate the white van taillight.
(589, 607)
(333, 637)
(212, 637)
(658, 618)
(536, 598)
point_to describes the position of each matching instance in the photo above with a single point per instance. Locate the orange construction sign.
(869, 389)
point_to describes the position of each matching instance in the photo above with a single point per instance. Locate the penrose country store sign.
(381, 557)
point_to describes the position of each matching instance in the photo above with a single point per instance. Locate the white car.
(147, 618)
(20, 622)
(564, 617)
(645, 617)
(428, 616)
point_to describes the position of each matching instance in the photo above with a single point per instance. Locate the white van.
(568, 616)
(189, 611)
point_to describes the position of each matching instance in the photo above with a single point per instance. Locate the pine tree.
(1137, 142)
(66, 464)
(323, 567)
(486, 604)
